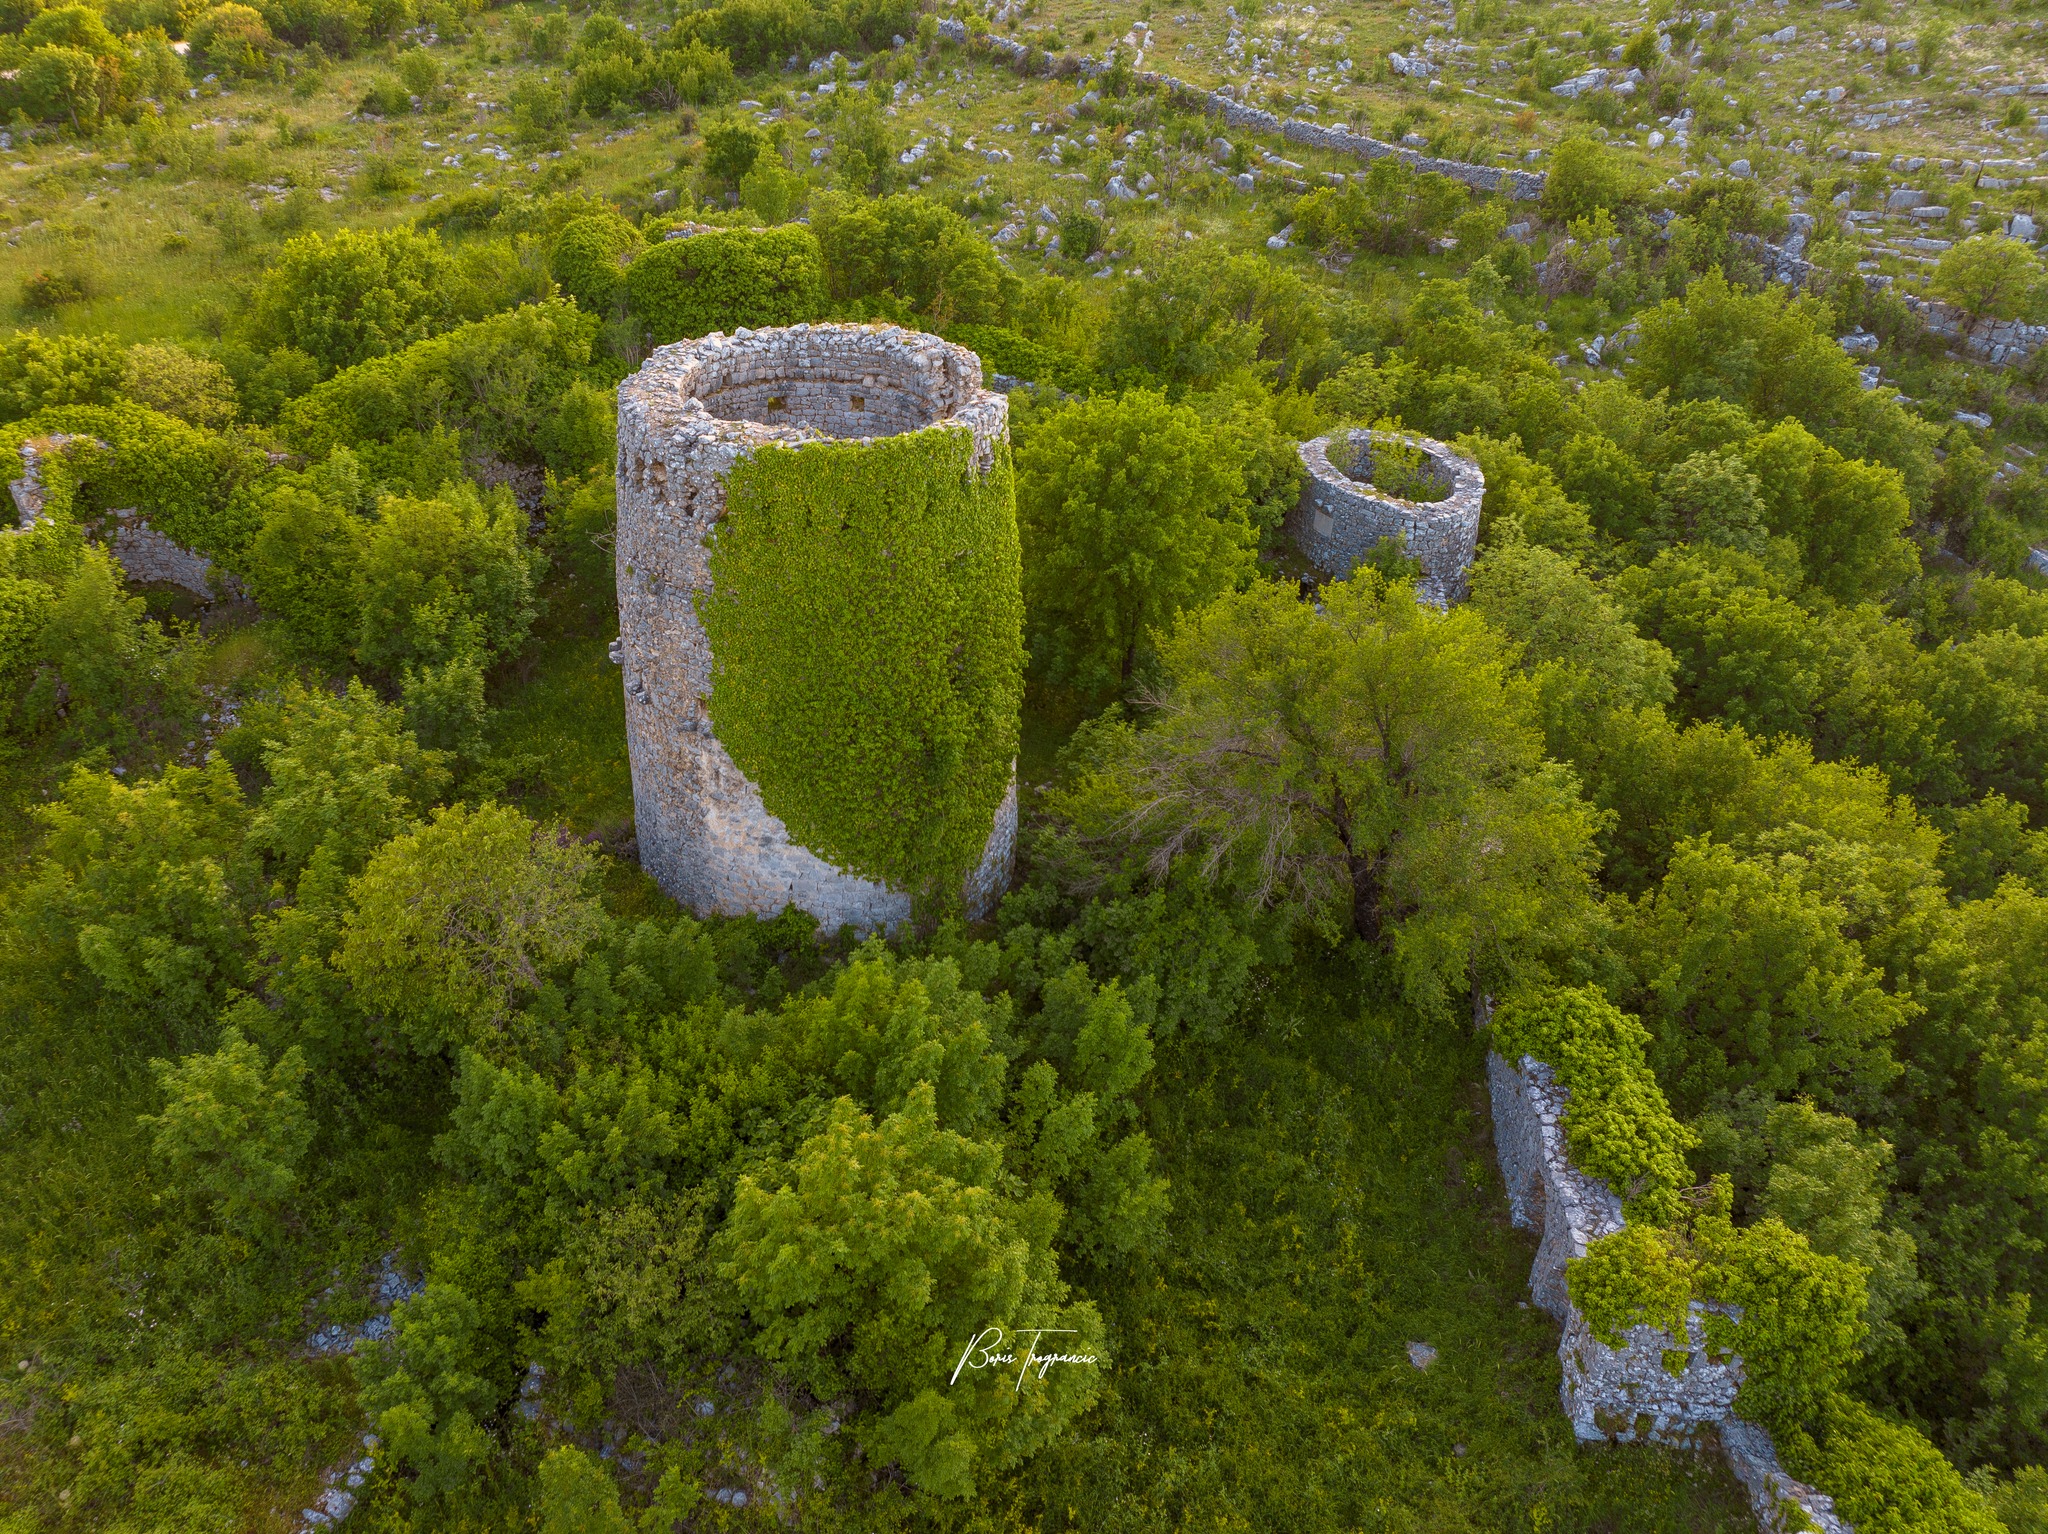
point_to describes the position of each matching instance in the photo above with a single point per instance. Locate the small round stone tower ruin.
(1342, 514)
(838, 412)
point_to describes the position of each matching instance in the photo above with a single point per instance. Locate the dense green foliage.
(866, 617)
(326, 976)
(706, 282)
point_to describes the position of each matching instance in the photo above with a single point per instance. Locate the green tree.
(883, 1253)
(1610, 483)
(345, 776)
(358, 294)
(1131, 511)
(134, 911)
(457, 920)
(577, 1496)
(428, 1388)
(1776, 356)
(1179, 325)
(1584, 177)
(731, 146)
(1847, 517)
(1828, 1181)
(1990, 693)
(443, 578)
(301, 566)
(114, 675)
(772, 192)
(1746, 652)
(1373, 768)
(232, 1131)
(1989, 275)
(1524, 503)
(1584, 656)
(1749, 979)
(61, 85)
(1712, 498)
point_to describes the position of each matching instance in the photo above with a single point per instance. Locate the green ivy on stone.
(866, 619)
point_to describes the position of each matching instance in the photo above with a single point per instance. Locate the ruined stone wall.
(1519, 184)
(2002, 343)
(1340, 518)
(143, 553)
(685, 419)
(1622, 1395)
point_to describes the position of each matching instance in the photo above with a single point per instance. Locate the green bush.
(38, 371)
(590, 257)
(1005, 351)
(444, 577)
(498, 381)
(357, 294)
(706, 282)
(924, 254)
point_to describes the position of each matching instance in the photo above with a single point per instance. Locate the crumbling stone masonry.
(143, 553)
(1522, 185)
(685, 419)
(1623, 1395)
(1340, 516)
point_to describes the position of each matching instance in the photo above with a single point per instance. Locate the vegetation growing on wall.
(867, 621)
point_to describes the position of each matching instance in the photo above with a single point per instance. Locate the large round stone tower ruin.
(696, 413)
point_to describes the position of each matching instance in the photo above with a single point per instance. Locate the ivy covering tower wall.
(820, 619)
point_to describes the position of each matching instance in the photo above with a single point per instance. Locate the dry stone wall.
(1627, 1394)
(1519, 184)
(143, 553)
(2002, 343)
(1340, 518)
(685, 420)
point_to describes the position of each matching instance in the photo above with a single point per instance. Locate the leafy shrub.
(301, 567)
(1394, 211)
(232, 1129)
(707, 282)
(233, 39)
(498, 381)
(1005, 351)
(37, 371)
(924, 254)
(174, 382)
(1635, 1277)
(590, 256)
(442, 578)
(356, 295)
(1584, 178)
(46, 292)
